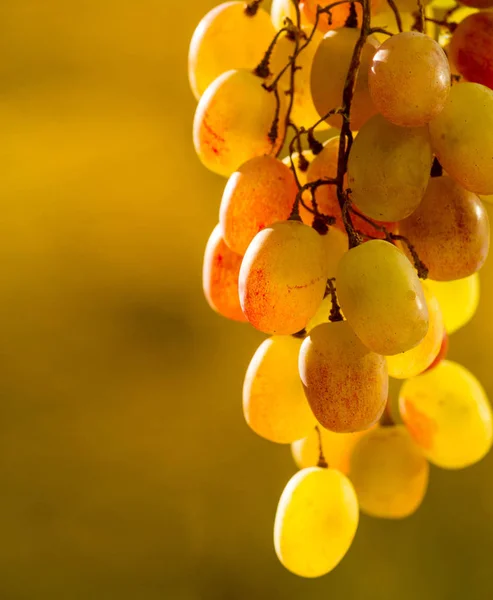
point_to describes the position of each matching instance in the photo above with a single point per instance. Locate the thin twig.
(322, 463)
(397, 14)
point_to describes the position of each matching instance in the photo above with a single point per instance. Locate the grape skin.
(458, 300)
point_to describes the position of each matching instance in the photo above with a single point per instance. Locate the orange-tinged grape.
(220, 277)
(339, 14)
(281, 9)
(389, 169)
(227, 38)
(274, 403)
(449, 230)
(460, 136)
(316, 521)
(442, 353)
(346, 383)
(261, 192)
(458, 300)
(448, 415)
(389, 473)
(233, 120)
(488, 199)
(382, 297)
(283, 277)
(409, 79)
(471, 48)
(418, 359)
(329, 71)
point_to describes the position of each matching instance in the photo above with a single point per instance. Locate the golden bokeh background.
(126, 469)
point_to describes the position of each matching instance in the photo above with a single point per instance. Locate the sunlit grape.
(316, 521)
(471, 48)
(339, 14)
(281, 9)
(442, 353)
(458, 300)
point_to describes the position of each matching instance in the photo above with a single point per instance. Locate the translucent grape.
(283, 277)
(442, 353)
(382, 297)
(389, 169)
(471, 48)
(308, 155)
(261, 192)
(220, 277)
(389, 473)
(274, 403)
(458, 300)
(448, 414)
(460, 137)
(281, 9)
(449, 230)
(227, 38)
(316, 521)
(308, 9)
(345, 383)
(233, 121)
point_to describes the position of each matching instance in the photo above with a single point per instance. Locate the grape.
(418, 359)
(308, 9)
(461, 137)
(389, 473)
(458, 300)
(274, 403)
(409, 79)
(449, 230)
(220, 277)
(281, 9)
(316, 521)
(488, 199)
(477, 4)
(345, 383)
(389, 169)
(308, 155)
(382, 297)
(261, 192)
(471, 48)
(233, 121)
(448, 414)
(442, 353)
(283, 277)
(227, 38)
(329, 70)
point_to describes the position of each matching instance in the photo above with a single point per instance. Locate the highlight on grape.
(357, 141)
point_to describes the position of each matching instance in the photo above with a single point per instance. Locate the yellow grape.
(274, 403)
(281, 9)
(261, 192)
(458, 300)
(309, 156)
(382, 297)
(233, 120)
(220, 277)
(283, 277)
(389, 169)
(316, 521)
(449, 230)
(346, 383)
(418, 359)
(461, 139)
(448, 414)
(389, 473)
(308, 9)
(409, 79)
(227, 38)
(329, 71)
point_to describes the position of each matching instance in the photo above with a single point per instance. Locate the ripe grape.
(471, 48)
(442, 353)
(382, 297)
(281, 9)
(458, 300)
(389, 169)
(227, 38)
(274, 403)
(448, 414)
(283, 277)
(389, 473)
(345, 383)
(233, 121)
(308, 9)
(261, 192)
(316, 521)
(461, 137)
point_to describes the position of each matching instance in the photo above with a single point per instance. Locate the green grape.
(458, 300)
(389, 169)
(261, 192)
(316, 521)
(227, 38)
(233, 120)
(448, 415)
(382, 297)
(345, 383)
(449, 230)
(389, 473)
(283, 277)
(274, 403)
(281, 9)
(461, 139)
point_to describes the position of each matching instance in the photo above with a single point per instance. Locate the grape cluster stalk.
(357, 142)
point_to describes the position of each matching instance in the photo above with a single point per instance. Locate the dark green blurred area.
(126, 469)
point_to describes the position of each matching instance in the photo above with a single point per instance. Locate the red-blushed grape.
(471, 48)
(442, 353)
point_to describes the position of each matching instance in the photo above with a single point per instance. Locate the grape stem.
(419, 24)
(335, 312)
(442, 23)
(322, 463)
(251, 8)
(397, 15)
(262, 69)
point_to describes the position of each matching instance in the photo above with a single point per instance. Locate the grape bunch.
(357, 139)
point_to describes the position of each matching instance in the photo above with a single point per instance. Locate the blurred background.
(126, 469)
